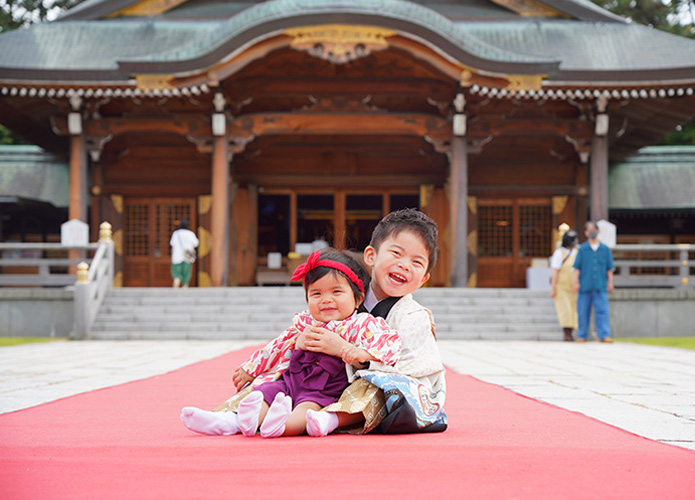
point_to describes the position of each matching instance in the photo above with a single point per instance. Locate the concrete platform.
(649, 391)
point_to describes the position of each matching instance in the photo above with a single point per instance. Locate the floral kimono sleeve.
(274, 357)
(374, 336)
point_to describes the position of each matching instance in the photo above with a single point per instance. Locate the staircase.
(263, 312)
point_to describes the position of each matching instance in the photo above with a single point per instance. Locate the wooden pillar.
(78, 170)
(458, 185)
(78, 173)
(599, 165)
(219, 225)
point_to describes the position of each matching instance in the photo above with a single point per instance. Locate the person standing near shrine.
(593, 281)
(561, 283)
(183, 244)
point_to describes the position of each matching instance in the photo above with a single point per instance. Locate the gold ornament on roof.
(524, 82)
(339, 43)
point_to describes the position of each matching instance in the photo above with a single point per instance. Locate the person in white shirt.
(183, 244)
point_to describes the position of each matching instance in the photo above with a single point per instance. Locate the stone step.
(263, 312)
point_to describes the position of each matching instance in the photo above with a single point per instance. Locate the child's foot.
(249, 411)
(274, 423)
(320, 423)
(212, 423)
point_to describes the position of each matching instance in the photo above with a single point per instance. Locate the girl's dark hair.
(569, 238)
(408, 219)
(344, 258)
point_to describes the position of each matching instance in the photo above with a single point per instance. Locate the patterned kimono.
(271, 361)
(409, 396)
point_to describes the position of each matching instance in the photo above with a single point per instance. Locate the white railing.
(654, 266)
(93, 283)
(36, 269)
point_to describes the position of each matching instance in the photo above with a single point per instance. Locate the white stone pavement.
(649, 391)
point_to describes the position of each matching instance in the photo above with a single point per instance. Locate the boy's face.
(399, 265)
(330, 298)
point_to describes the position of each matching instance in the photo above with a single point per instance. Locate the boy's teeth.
(398, 277)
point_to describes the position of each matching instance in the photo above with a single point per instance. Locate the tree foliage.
(19, 13)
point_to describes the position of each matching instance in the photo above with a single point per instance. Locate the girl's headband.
(315, 261)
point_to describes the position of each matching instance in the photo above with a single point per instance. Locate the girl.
(335, 286)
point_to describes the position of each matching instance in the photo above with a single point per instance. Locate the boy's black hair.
(344, 258)
(408, 219)
(184, 224)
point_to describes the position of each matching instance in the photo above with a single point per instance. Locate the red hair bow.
(315, 261)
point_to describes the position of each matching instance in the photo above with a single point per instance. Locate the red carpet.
(127, 442)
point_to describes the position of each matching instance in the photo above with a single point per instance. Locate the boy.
(401, 253)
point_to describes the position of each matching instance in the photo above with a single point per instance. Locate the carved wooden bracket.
(338, 43)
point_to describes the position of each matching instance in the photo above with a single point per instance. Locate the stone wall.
(36, 312)
(652, 313)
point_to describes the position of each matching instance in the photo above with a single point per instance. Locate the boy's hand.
(241, 378)
(318, 339)
(353, 355)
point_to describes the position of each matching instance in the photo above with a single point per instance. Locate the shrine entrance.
(343, 219)
(511, 233)
(148, 224)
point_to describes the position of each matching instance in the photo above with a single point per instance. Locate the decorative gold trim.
(105, 233)
(205, 239)
(204, 204)
(117, 201)
(559, 204)
(204, 279)
(339, 43)
(154, 82)
(529, 8)
(118, 280)
(472, 243)
(426, 192)
(148, 8)
(82, 273)
(118, 241)
(524, 82)
(472, 281)
(472, 204)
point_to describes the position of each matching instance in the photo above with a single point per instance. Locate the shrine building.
(272, 124)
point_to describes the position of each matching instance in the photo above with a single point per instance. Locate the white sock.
(320, 423)
(274, 423)
(249, 411)
(212, 423)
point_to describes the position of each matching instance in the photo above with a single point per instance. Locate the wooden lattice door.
(148, 224)
(511, 233)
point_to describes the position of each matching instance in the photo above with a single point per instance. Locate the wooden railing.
(654, 266)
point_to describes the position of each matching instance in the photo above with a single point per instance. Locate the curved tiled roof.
(566, 50)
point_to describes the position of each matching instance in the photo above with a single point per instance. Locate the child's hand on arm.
(355, 356)
(319, 339)
(240, 378)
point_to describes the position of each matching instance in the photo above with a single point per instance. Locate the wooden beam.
(260, 124)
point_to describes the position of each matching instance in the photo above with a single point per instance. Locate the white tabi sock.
(320, 423)
(249, 411)
(274, 423)
(212, 423)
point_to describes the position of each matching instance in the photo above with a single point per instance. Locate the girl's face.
(331, 298)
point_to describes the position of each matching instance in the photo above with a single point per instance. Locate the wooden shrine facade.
(303, 129)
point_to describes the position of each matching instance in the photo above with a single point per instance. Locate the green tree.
(19, 13)
(665, 16)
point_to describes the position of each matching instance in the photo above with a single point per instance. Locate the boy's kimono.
(414, 389)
